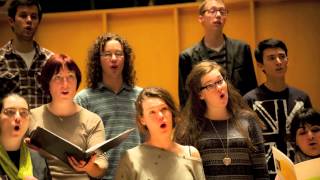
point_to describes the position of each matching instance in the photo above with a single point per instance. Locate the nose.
(160, 116)
(28, 18)
(310, 134)
(17, 117)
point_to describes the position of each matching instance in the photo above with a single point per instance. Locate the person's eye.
(315, 129)
(34, 16)
(118, 53)
(23, 16)
(302, 132)
(219, 82)
(282, 57)
(24, 113)
(11, 112)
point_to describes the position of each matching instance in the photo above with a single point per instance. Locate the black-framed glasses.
(213, 11)
(213, 85)
(109, 54)
(11, 112)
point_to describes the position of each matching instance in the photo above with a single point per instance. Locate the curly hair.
(94, 66)
(193, 112)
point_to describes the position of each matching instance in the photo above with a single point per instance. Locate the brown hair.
(155, 92)
(193, 112)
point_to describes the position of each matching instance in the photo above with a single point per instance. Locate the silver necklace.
(226, 160)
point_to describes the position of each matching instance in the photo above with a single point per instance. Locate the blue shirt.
(118, 113)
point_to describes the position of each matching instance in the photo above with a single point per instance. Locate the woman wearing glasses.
(16, 160)
(221, 126)
(61, 77)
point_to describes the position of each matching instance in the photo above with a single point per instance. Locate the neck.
(10, 144)
(22, 46)
(217, 114)
(63, 108)
(162, 142)
(276, 85)
(213, 40)
(114, 84)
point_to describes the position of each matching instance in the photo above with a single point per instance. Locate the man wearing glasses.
(274, 101)
(233, 55)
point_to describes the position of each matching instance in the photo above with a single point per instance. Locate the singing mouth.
(163, 125)
(16, 128)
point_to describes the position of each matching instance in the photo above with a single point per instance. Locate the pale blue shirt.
(118, 113)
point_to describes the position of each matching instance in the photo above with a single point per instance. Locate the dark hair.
(53, 66)
(301, 119)
(202, 7)
(9, 95)
(12, 10)
(155, 92)
(268, 43)
(194, 111)
(94, 66)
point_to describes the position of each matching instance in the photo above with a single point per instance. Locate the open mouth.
(222, 96)
(16, 128)
(65, 92)
(163, 125)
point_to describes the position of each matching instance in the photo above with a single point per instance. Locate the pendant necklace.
(226, 160)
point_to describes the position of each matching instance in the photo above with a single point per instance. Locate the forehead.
(64, 69)
(113, 44)
(211, 76)
(273, 51)
(150, 103)
(214, 3)
(14, 102)
(27, 9)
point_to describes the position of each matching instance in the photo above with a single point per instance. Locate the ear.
(201, 96)
(200, 19)
(261, 66)
(11, 21)
(142, 121)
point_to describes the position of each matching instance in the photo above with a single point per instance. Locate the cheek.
(301, 141)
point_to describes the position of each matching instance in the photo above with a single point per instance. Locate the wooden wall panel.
(72, 35)
(152, 36)
(159, 33)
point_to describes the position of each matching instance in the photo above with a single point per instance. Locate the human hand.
(82, 166)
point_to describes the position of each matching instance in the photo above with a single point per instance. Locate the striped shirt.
(16, 77)
(118, 114)
(246, 163)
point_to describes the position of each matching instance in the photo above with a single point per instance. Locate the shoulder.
(39, 109)
(189, 51)
(236, 42)
(297, 92)
(89, 115)
(83, 93)
(252, 94)
(137, 89)
(190, 151)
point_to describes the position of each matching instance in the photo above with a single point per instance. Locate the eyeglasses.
(60, 79)
(11, 112)
(213, 85)
(108, 54)
(282, 57)
(213, 11)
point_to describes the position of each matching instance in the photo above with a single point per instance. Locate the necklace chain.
(224, 149)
